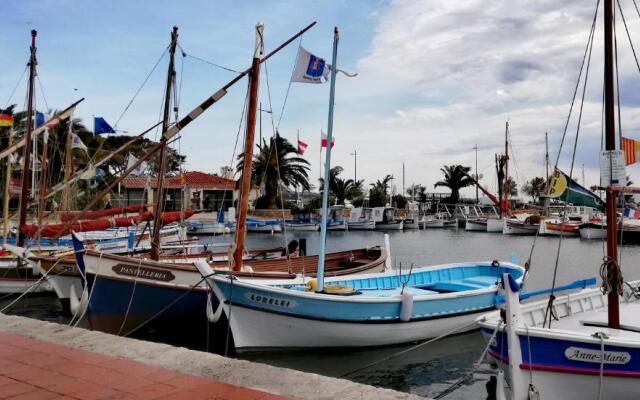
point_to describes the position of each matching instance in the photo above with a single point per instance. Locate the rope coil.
(611, 276)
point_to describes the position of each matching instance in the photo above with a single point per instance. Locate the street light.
(355, 165)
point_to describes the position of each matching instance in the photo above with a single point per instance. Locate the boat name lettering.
(260, 298)
(143, 272)
(593, 356)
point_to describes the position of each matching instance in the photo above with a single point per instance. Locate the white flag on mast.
(310, 68)
(76, 143)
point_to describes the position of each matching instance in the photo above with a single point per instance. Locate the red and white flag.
(324, 138)
(302, 146)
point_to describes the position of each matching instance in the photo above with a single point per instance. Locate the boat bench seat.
(456, 285)
(485, 281)
(380, 292)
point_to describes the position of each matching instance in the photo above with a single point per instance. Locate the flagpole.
(327, 166)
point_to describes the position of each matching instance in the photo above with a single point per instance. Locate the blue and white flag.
(310, 68)
(139, 170)
(100, 126)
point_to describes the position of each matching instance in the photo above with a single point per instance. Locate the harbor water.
(432, 368)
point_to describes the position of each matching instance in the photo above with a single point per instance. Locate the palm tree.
(456, 177)
(378, 195)
(342, 189)
(276, 163)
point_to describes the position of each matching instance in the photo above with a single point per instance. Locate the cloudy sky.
(435, 77)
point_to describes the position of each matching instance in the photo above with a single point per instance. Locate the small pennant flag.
(631, 148)
(324, 139)
(100, 126)
(6, 118)
(76, 143)
(310, 68)
(302, 146)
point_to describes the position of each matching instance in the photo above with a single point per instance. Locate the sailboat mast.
(162, 157)
(24, 193)
(245, 187)
(327, 166)
(505, 190)
(610, 145)
(7, 194)
(546, 156)
(43, 180)
(68, 166)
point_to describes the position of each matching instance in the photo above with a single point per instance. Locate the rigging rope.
(575, 91)
(185, 54)
(549, 311)
(16, 86)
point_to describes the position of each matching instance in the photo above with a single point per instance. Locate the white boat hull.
(337, 227)
(265, 228)
(475, 226)
(495, 224)
(18, 286)
(509, 229)
(253, 330)
(593, 233)
(362, 226)
(410, 224)
(302, 227)
(433, 223)
(386, 226)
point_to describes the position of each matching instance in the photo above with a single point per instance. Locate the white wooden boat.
(476, 224)
(495, 224)
(385, 219)
(559, 226)
(361, 219)
(276, 314)
(593, 230)
(432, 221)
(527, 225)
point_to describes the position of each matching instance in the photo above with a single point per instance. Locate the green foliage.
(417, 193)
(534, 188)
(399, 201)
(342, 189)
(378, 196)
(277, 155)
(455, 178)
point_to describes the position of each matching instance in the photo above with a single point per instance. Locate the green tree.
(342, 189)
(378, 193)
(455, 178)
(417, 193)
(277, 162)
(534, 188)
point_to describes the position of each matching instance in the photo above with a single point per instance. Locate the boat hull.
(362, 226)
(309, 227)
(255, 330)
(495, 225)
(519, 228)
(433, 223)
(390, 226)
(476, 225)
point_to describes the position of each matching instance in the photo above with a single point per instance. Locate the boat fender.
(78, 305)
(311, 285)
(406, 306)
(212, 316)
(495, 263)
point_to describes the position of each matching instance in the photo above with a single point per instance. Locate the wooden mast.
(24, 193)
(162, 157)
(610, 144)
(7, 183)
(68, 166)
(43, 180)
(505, 206)
(245, 182)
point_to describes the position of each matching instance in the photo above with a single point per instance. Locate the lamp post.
(355, 165)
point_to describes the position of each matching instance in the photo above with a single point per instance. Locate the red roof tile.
(193, 179)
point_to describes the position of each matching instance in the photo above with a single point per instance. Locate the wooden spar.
(245, 181)
(176, 128)
(43, 179)
(505, 207)
(68, 165)
(24, 194)
(610, 145)
(195, 113)
(7, 183)
(485, 191)
(327, 166)
(162, 157)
